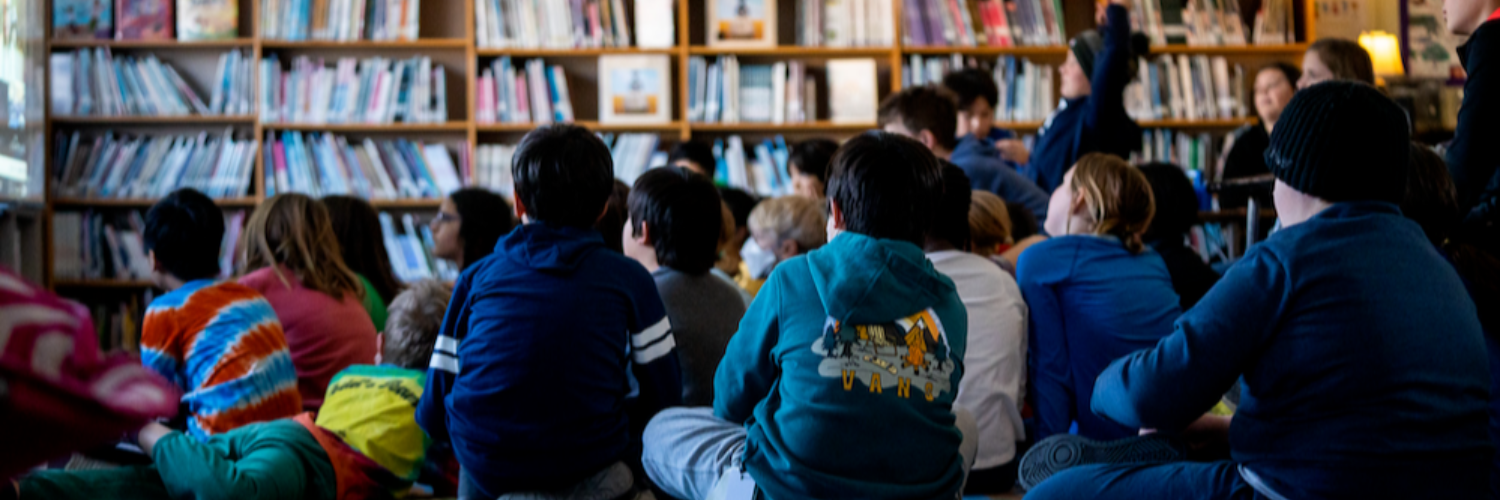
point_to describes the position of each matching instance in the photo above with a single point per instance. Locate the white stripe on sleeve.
(649, 335)
(663, 348)
(444, 362)
(447, 344)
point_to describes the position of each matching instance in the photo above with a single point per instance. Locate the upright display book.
(207, 19)
(144, 20)
(73, 19)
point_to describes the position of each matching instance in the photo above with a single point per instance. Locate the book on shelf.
(208, 19)
(92, 82)
(765, 93)
(374, 91)
(1196, 153)
(72, 19)
(1212, 22)
(117, 322)
(91, 245)
(852, 94)
(492, 168)
(1026, 88)
(756, 168)
(522, 92)
(143, 20)
(845, 23)
(655, 24)
(1187, 87)
(633, 154)
(993, 23)
(321, 164)
(111, 166)
(340, 20)
(563, 24)
(411, 250)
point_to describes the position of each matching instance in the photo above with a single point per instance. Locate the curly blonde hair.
(1117, 196)
(295, 231)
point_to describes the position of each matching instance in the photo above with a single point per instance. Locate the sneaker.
(1063, 451)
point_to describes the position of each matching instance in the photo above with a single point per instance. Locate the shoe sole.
(1060, 452)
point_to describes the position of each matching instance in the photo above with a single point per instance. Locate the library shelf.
(1231, 50)
(818, 126)
(154, 120)
(418, 44)
(244, 202)
(792, 52)
(1234, 215)
(58, 43)
(452, 126)
(1210, 123)
(985, 50)
(575, 52)
(631, 127)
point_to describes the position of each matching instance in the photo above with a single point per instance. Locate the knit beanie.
(1342, 141)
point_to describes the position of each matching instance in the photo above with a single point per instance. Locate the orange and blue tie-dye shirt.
(223, 346)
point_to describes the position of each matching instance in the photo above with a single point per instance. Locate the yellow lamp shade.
(1384, 51)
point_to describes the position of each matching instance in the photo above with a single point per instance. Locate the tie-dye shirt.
(223, 346)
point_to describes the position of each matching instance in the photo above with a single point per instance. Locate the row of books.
(145, 19)
(1213, 22)
(1187, 87)
(151, 166)
(995, 23)
(725, 92)
(107, 245)
(1026, 90)
(492, 168)
(633, 154)
(320, 164)
(340, 20)
(845, 23)
(536, 93)
(757, 168)
(374, 90)
(570, 23)
(411, 250)
(95, 82)
(1196, 153)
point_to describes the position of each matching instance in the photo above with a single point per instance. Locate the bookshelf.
(447, 35)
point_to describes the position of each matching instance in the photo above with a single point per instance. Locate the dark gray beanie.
(1085, 46)
(1342, 141)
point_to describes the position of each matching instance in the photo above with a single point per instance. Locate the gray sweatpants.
(687, 449)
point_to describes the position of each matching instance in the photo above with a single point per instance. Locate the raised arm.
(1112, 68)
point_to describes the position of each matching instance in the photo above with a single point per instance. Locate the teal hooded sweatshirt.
(844, 371)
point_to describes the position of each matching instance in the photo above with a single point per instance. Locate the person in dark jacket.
(929, 114)
(548, 329)
(977, 97)
(1246, 159)
(1176, 212)
(1347, 391)
(1473, 156)
(1092, 116)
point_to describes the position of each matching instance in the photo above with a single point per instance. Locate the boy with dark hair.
(977, 97)
(694, 155)
(841, 379)
(929, 115)
(1473, 158)
(808, 164)
(548, 330)
(674, 232)
(995, 362)
(218, 341)
(1092, 117)
(1347, 393)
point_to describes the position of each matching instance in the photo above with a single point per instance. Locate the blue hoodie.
(529, 377)
(981, 162)
(844, 371)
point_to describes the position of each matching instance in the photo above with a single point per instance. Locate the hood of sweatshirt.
(864, 280)
(547, 248)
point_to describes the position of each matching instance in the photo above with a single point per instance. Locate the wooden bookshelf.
(448, 35)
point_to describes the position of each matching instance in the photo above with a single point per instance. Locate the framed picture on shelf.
(635, 89)
(741, 23)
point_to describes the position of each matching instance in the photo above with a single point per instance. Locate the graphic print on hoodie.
(844, 371)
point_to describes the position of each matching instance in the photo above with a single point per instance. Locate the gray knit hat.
(1342, 141)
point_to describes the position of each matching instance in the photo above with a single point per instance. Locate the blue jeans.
(1184, 480)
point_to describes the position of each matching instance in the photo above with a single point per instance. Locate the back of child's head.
(294, 231)
(989, 222)
(615, 212)
(795, 218)
(1431, 198)
(416, 317)
(564, 175)
(971, 84)
(1345, 59)
(886, 186)
(740, 204)
(681, 210)
(696, 154)
(951, 221)
(357, 227)
(929, 108)
(1342, 141)
(1176, 202)
(811, 157)
(1023, 223)
(1116, 197)
(486, 217)
(185, 230)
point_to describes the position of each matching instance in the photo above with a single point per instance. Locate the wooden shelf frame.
(453, 43)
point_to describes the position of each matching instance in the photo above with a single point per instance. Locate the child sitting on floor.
(218, 341)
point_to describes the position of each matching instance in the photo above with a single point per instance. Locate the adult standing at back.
(1092, 116)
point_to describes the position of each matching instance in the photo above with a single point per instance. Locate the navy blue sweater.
(1364, 366)
(1091, 301)
(981, 161)
(1472, 156)
(1092, 123)
(529, 376)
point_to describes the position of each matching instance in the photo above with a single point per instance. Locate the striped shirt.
(223, 346)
